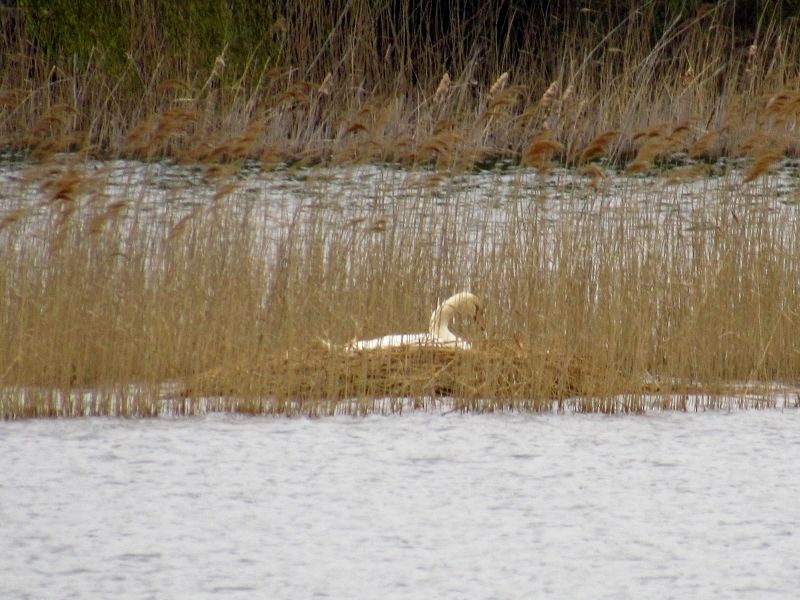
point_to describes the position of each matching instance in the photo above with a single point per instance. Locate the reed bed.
(360, 82)
(598, 298)
(618, 192)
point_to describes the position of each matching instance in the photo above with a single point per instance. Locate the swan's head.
(469, 306)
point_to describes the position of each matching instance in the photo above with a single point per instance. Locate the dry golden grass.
(350, 104)
(104, 300)
(491, 372)
(608, 305)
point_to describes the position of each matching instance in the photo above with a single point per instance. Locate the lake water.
(161, 188)
(424, 505)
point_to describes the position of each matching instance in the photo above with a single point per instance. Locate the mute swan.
(439, 334)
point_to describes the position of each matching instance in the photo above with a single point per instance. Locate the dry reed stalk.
(111, 212)
(216, 172)
(240, 147)
(441, 146)
(55, 120)
(498, 106)
(655, 131)
(169, 85)
(351, 153)
(12, 217)
(8, 98)
(46, 148)
(180, 227)
(503, 98)
(165, 134)
(219, 66)
(298, 93)
(137, 142)
(175, 122)
(61, 232)
(679, 137)
(270, 157)
(583, 107)
(779, 104)
(355, 128)
(530, 117)
(65, 185)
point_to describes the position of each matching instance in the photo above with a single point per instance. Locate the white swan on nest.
(439, 334)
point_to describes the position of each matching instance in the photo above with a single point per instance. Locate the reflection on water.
(376, 198)
(155, 187)
(426, 505)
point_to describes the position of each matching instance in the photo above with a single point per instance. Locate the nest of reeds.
(501, 372)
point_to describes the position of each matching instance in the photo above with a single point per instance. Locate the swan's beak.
(480, 320)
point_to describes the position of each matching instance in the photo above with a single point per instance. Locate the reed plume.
(598, 146)
(704, 145)
(443, 88)
(762, 164)
(547, 98)
(327, 85)
(499, 85)
(541, 149)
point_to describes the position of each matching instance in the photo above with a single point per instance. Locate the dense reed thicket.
(357, 80)
(592, 296)
(616, 296)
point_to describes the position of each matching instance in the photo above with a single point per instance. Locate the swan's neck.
(440, 323)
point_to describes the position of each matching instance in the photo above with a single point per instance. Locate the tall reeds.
(110, 297)
(360, 82)
(108, 290)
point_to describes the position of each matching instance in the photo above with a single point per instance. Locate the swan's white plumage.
(439, 333)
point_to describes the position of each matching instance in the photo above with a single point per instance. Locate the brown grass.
(105, 299)
(493, 371)
(347, 103)
(596, 301)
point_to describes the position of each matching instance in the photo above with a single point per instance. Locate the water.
(664, 505)
(161, 188)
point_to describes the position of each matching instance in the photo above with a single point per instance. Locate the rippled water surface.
(667, 505)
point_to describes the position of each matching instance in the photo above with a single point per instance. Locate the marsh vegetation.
(629, 220)
(635, 286)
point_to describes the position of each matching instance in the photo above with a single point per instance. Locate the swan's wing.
(393, 341)
(408, 339)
